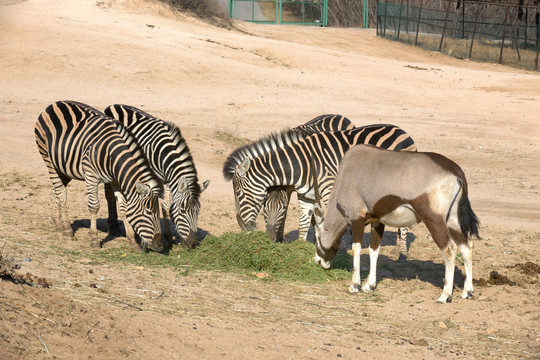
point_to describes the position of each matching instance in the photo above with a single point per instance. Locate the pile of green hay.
(244, 252)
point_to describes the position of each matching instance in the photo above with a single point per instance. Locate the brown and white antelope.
(398, 189)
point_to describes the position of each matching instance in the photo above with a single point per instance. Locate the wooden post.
(385, 7)
(474, 29)
(418, 23)
(407, 19)
(516, 40)
(399, 20)
(445, 20)
(504, 33)
(537, 17)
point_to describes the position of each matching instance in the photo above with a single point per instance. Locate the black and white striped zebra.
(292, 159)
(78, 142)
(277, 200)
(171, 160)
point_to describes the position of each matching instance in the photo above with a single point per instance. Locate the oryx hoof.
(467, 294)
(444, 299)
(367, 288)
(354, 288)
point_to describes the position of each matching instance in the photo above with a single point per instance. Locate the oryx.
(398, 189)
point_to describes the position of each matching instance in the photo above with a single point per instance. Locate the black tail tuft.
(467, 219)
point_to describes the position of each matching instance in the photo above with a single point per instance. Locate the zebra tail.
(468, 220)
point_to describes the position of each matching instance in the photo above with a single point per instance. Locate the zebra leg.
(112, 220)
(306, 209)
(377, 231)
(165, 203)
(358, 235)
(122, 208)
(61, 220)
(401, 244)
(93, 206)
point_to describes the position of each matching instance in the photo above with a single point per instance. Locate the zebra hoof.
(467, 294)
(402, 258)
(354, 288)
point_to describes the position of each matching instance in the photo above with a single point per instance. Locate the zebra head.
(249, 194)
(184, 209)
(275, 211)
(142, 213)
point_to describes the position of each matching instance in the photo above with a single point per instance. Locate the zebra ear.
(204, 185)
(318, 214)
(242, 169)
(142, 189)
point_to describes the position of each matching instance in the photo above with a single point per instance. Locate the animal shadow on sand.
(103, 229)
(387, 267)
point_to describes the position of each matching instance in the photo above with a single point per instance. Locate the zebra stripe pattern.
(289, 159)
(171, 160)
(78, 142)
(277, 200)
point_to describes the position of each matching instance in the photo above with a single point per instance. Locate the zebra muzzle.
(156, 244)
(251, 225)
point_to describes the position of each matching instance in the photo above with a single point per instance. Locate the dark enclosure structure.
(507, 33)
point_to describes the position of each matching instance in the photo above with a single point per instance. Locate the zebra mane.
(134, 147)
(258, 148)
(178, 139)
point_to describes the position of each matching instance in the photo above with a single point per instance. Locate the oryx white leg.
(377, 231)
(358, 235)
(467, 252)
(356, 279)
(449, 255)
(371, 283)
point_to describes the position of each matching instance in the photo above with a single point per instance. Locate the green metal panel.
(300, 12)
(365, 14)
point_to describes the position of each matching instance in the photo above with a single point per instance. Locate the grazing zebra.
(171, 160)
(289, 158)
(277, 200)
(79, 142)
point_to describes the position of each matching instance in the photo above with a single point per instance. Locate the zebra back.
(171, 159)
(328, 122)
(277, 200)
(79, 142)
(258, 166)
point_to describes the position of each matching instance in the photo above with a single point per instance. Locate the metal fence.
(480, 30)
(304, 12)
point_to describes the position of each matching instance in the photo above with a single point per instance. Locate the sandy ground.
(246, 80)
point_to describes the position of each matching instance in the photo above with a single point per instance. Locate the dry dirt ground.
(245, 80)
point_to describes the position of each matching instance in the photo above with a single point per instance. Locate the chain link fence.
(507, 33)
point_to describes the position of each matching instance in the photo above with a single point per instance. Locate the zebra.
(171, 160)
(277, 200)
(290, 158)
(78, 142)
